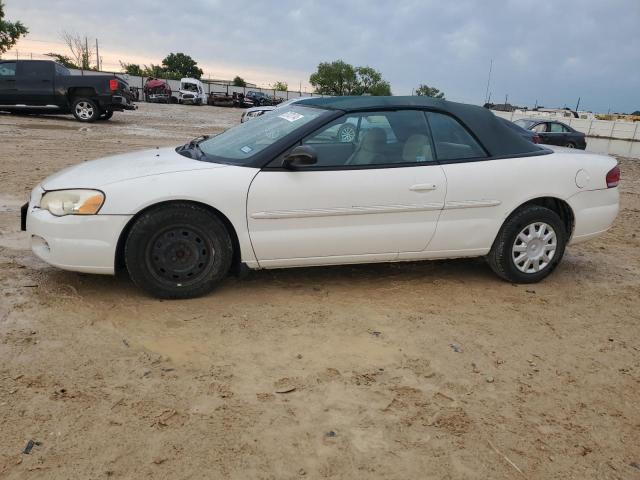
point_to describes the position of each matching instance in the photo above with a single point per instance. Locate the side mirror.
(300, 156)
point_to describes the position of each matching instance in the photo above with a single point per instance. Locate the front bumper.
(81, 243)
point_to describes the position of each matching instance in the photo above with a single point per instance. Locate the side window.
(373, 138)
(556, 128)
(8, 69)
(452, 140)
(62, 71)
(35, 69)
(540, 128)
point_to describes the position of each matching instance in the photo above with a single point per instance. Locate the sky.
(546, 51)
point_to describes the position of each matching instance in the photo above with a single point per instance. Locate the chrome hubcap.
(534, 247)
(347, 135)
(84, 110)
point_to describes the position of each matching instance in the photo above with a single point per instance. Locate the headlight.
(72, 202)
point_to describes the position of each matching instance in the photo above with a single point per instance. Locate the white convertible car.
(425, 179)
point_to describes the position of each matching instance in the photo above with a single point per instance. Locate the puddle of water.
(45, 126)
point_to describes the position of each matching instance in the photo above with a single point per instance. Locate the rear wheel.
(178, 251)
(529, 246)
(85, 110)
(570, 145)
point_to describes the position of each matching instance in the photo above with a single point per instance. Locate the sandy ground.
(432, 370)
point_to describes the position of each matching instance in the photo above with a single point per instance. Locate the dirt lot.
(421, 370)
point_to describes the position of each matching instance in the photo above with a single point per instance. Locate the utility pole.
(85, 57)
(506, 99)
(97, 56)
(578, 104)
(486, 94)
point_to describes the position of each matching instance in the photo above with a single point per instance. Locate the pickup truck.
(39, 86)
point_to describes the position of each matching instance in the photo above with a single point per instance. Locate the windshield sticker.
(291, 116)
(246, 149)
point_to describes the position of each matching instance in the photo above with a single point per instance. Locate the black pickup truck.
(38, 86)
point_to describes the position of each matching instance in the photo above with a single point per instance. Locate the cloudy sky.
(547, 51)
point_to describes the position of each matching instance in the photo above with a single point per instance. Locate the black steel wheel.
(178, 251)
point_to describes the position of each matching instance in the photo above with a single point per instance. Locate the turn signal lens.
(72, 202)
(613, 177)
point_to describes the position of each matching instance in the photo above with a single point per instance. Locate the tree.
(62, 60)
(335, 78)
(81, 52)
(179, 65)
(238, 81)
(10, 32)
(280, 86)
(636, 113)
(155, 71)
(340, 78)
(132, 69)
(427, 91)
(369, 81)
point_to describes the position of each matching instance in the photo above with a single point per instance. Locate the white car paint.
(254, 112)
(192, 92)
(298, 218)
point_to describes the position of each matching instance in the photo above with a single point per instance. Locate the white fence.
(210, 87)
(603, 136)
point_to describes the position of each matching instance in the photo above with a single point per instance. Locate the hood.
(97, 173)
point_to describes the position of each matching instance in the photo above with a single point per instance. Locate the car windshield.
(240, 143)
(524, 123)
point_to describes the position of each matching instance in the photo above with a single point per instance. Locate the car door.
(35, 83)
(8, 89)
(556, 134)
(364, 200)
(467, 225)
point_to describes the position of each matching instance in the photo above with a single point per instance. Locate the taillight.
(113, 84)
(613, 177)
(536, 139)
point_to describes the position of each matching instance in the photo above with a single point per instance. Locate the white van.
(192, 92)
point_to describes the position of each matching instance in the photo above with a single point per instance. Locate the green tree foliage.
(179, 65)
(427, 91)
(62, 60)
(335, 78)
(132, 69)
(238, 81)
(10, 32)
(341, 78)
(280, 86)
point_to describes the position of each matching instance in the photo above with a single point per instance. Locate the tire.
(178, 251)
(570, 145)
(506, 256)
(85, 110)
(347, 133)
(106, 115)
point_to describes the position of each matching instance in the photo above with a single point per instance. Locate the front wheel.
(529, 245)
(85, 110)
(178, 251)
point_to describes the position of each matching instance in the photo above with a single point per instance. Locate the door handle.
(423, 187)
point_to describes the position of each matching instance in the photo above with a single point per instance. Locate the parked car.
(256, 99)
(157, 90)
(192, 92)
(552, 132)
(532, 137)
(283, 191)
(254, 112)
(44, 86)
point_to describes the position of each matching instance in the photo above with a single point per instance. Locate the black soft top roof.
(498, 139)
